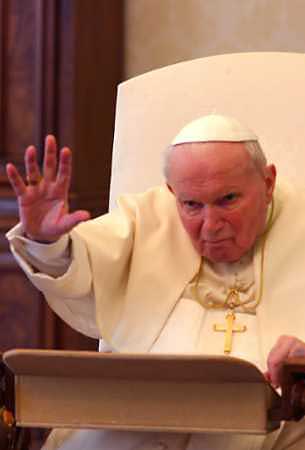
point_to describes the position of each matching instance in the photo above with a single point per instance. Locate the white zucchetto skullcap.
(214, 127)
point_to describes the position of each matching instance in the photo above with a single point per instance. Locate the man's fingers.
(31, 165)
(298, 351)
(50, 158)
(285, 347)
(15, 179)
(276, 357)
(64, 169)
(69, 221)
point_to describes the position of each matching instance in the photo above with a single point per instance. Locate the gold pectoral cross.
(229, 329)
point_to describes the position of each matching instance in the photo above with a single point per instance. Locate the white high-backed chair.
(264, 90)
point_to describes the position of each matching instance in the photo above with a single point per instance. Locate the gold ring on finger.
(33, 181)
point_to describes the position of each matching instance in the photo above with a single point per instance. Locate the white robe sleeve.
(122, 272)
(51, 259)
(64, 278)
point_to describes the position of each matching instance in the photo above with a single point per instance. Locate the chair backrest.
(264, 90)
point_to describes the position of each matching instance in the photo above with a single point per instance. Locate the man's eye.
(229, 198)
(190, 204)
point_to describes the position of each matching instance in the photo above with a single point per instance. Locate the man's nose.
(212, 220)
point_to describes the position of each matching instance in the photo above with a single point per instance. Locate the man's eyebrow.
(193, 198)
(233, 189)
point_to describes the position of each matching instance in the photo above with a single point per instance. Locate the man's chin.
(221, 258)
(220, 253)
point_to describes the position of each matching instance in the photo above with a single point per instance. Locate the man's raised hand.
(284, 348)
(43, 200)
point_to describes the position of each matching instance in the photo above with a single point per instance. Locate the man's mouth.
(215, 242)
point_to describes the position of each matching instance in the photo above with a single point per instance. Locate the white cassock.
(156, 257)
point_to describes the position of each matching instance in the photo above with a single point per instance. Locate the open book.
(140, 392)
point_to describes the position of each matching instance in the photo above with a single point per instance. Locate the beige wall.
(162, 32)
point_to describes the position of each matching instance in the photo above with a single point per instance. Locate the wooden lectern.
(141, 392)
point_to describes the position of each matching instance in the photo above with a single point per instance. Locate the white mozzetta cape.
(130, 267)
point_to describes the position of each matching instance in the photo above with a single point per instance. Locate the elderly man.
(217, 242)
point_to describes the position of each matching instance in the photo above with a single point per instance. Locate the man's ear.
(270, 179)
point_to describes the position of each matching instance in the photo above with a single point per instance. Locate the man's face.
(222, 198)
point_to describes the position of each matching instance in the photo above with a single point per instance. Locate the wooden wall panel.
(20, 311)
(85, 119)
(28, 72)
(18, 89)
(60, 63)
(2, 49)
